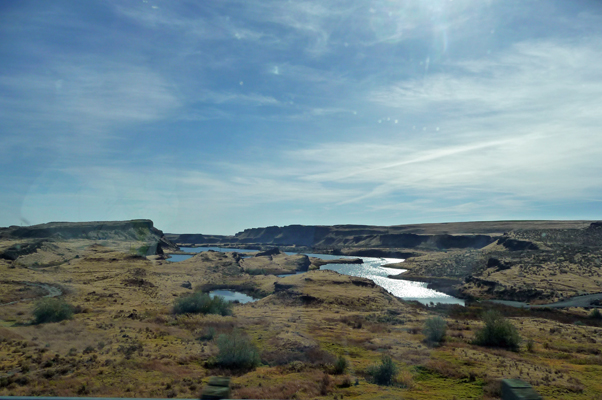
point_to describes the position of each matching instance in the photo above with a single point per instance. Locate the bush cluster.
(52, 309)
(385, 372)
(341, 365)
(202, 303)
(237, 352)
(497, 332)
(435, 329)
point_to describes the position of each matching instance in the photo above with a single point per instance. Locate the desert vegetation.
(51, 310)
(237, 351)
(383, 373)
(202, 303)
(137, 331)
(497, 332)
(435, 329)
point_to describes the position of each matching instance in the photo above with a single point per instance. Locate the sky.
(216, 116)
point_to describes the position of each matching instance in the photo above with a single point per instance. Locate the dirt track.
(577, 301)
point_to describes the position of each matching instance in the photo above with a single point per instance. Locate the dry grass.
(129, 335)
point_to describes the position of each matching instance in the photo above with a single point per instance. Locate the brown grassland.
(125, 341)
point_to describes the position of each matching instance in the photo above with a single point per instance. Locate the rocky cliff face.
(340, 236)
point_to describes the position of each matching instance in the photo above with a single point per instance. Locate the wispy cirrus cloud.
(521, 124)
(77, 103)
(237, 114)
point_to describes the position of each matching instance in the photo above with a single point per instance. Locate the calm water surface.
(232, 295)
(178, 257)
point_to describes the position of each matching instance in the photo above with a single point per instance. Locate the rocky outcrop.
(318, 262)
(517, 245)
(14, 252)
(139, 230)
(269, 252)
(275, 264)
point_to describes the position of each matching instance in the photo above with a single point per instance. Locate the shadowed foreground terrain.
(125, 341)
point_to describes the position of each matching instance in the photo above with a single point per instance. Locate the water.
(178, 257)
(407, 290)
(182, 257)
(232, 295)
(371, 268)
(222, 249)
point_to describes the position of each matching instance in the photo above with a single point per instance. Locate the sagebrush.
(497, 332)
(202, 303)
(52, 310)
(435, 329)
(341, 365)
(385, 372)
(237, 352)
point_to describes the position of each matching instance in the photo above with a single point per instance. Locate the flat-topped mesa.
(141, 230)
(132, 229)
(338, 236)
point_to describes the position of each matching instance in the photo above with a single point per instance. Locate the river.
(372, 268)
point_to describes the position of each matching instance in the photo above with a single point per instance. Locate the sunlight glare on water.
(408, 290)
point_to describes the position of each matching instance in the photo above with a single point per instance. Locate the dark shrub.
(236, 351)
(202, 303)
(497, 332)
(207, 334)
(595, 314)
(340, 366)
(434, 329)
(383, 374)
(325, 384)
(52, 310)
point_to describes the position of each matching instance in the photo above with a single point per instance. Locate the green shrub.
(52, 309)
(497, 332)
(595, 314)
(341, 365)
(202, 303)
(530, 345)
(237, 352)
(435, 329)
(385, 373)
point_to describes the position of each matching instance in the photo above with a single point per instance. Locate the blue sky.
(215, 116)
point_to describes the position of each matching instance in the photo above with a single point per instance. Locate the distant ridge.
(475, 234)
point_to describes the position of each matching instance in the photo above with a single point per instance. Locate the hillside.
(459, 235)
(57, 242)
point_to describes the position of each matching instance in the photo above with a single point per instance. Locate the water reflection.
(408, 290)
(178, 257)
(232, 296)
(372, 268)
